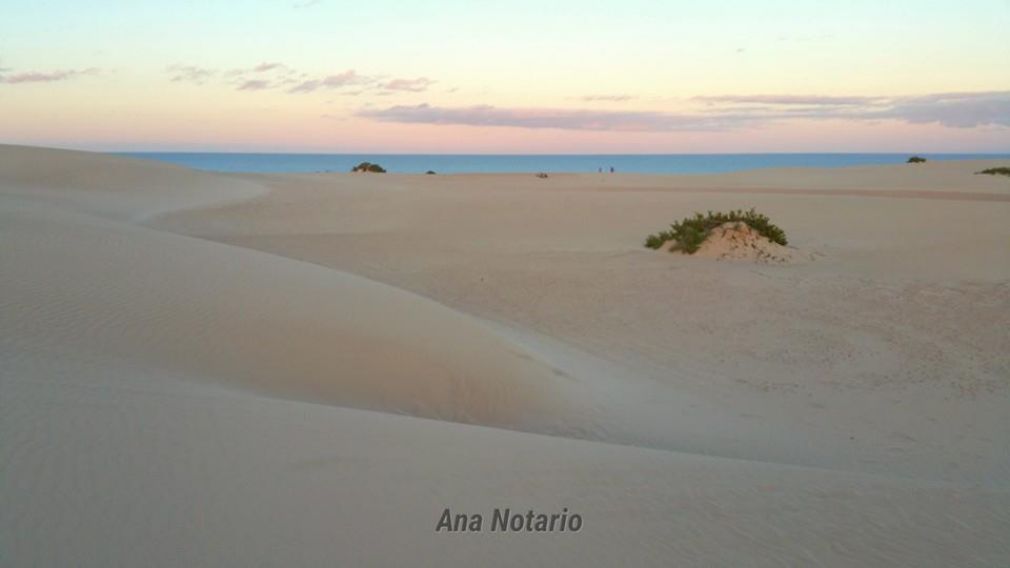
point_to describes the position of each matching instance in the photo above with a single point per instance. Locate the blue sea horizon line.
(292, 162)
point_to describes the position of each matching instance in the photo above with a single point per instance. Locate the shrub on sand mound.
(691, 232)
(368, 167)
(916, 160)
(1002, 171)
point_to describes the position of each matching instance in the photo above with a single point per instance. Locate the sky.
(635, 76)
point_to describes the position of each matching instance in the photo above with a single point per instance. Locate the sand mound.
(736, 240)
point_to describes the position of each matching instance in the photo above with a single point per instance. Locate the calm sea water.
(471, 163)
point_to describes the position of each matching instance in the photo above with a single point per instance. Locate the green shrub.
(916, 160)
(689, 233)
(656, 241)
(1002, 171)
(368, 167)
(430, 172)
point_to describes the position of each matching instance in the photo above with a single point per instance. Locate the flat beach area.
(201, 369)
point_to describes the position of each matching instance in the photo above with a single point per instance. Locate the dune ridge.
(194, 307)
(110, 186)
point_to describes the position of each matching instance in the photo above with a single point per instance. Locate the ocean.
(499, 163)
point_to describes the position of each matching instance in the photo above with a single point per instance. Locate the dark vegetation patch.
(688, 234)
(369, 167)
(1001, 171)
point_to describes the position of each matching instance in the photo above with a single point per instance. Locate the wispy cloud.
(606, 98)
(959, 110)
(254, 85)
(345, 79)
(45, 76)
(413, 85)
(259, 77)
(276, 75)
(264, 67)
(302, 4)
(788, 99)
(189, 74)
(485, 115)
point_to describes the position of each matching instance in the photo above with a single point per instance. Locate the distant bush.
(430, 172)
(369, 167)
(916, 160)
(689, 233)
(542, 175)
(996, 171)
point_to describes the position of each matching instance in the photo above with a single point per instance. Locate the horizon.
(443, 78)
(896, 153)
(684, 163)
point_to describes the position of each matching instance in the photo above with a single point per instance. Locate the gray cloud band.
(960, 110)
(46, 76)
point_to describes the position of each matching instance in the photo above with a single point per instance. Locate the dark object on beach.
(1001, 171)
(429, 173)
(916, 160)
(368, 167)
(689, 233)
(542, 175)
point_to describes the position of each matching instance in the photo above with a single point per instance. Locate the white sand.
(171, 400)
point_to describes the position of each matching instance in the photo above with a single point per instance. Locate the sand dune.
(110, 186)
(737, 241)
(245, 318)
(166, 399)
(882, 355)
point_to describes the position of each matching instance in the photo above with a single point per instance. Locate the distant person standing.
(611, 169)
